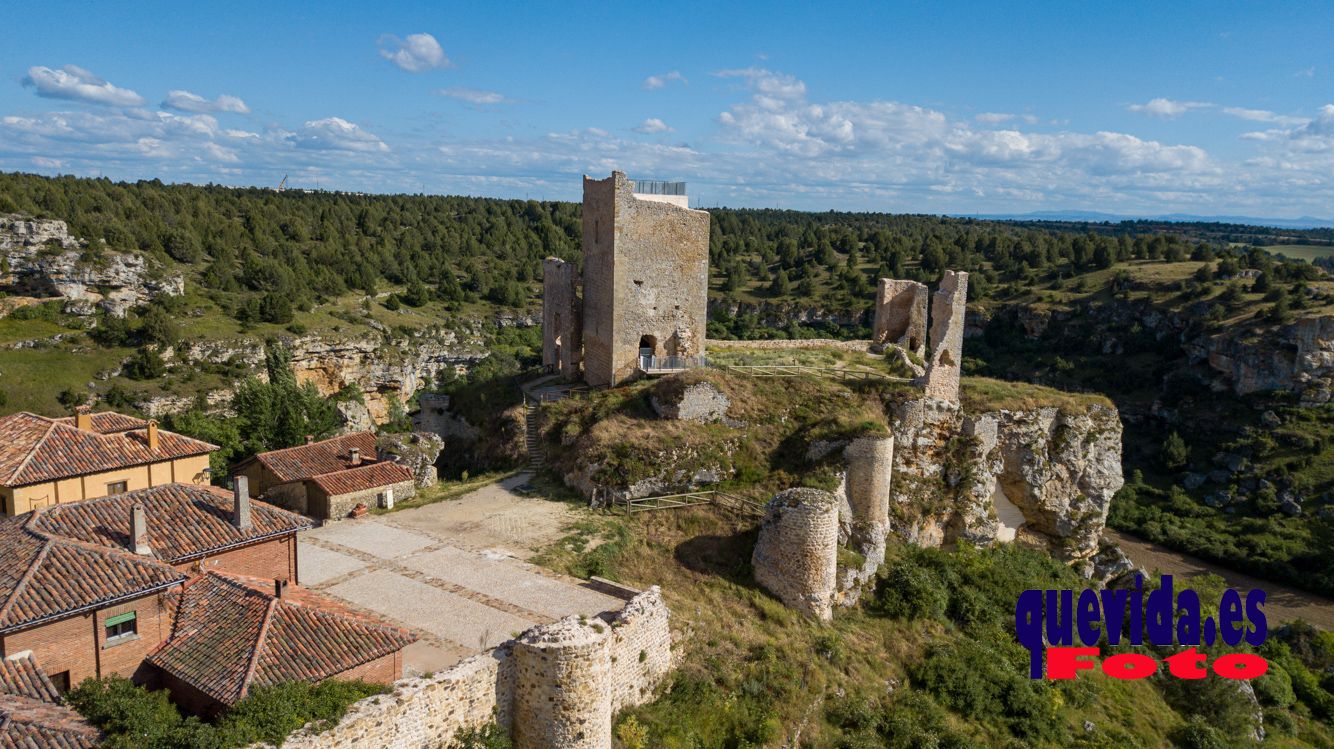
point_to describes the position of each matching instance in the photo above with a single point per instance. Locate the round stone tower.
(796, 556)
(870, 465)
(562, 686)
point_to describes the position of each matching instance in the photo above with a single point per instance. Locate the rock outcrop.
(43, 261)
(698, 401)
(1298, 357)
(1044, 475)
(418, 451)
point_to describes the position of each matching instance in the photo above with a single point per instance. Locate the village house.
(102, 587)
(329, 478)
(46, 462)
(31, 715)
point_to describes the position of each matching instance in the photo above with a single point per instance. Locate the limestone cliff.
(1044, 475)
(42, 261)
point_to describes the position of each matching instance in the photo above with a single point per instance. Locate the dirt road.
(1282, 604)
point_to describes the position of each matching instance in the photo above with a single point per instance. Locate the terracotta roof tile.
(109, 422)
(184, 521)
(22, 676)
(361, 478)
(232, 634)
(34, 448)
(326, 456)
(26, 723)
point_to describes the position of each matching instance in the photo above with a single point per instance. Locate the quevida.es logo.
(1131, 617)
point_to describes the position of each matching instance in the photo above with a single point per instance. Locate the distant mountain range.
(1305, 222)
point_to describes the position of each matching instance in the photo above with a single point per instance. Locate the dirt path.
(1282, 604)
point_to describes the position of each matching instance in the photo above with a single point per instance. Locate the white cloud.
(1305, 73)
(1313, 136)
(416, 53)
(185, 101)
(76, 84)
(337, 134)
(1263, 115)
(1168, 108)
(46, 163)
(652, 126)
(767, 82)
(474, 95)
(655, 82)
(994, 118)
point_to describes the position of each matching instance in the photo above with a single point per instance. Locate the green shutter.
(119, 618)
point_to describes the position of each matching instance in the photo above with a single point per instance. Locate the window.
(61, 681)
(117, 487)
(121, 627)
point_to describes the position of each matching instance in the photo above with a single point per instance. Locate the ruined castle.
(645, 284)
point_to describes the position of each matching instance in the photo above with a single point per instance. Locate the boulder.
(699, 401)
(416, 450)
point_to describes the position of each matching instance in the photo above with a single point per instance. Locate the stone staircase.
(532, 412)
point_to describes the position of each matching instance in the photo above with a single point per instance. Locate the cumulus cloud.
(767, 82)
(652, 126)
(185, 101)
(1315, 135)
(474, 95)
(1167, 108)
(416, 53)
(337, 134)
(655, 82)
(76, 84)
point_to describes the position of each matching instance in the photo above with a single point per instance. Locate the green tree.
(1174, 451)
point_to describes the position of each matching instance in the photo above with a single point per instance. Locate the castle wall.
(948, 308)
(553, 683)
(900, 315)
(796, 555)
(562, 327)
(646, 273)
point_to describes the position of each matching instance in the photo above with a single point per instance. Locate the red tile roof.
(184, 521)
(34, 449)
(365, 477)
(26, 723)
(22, 676)
(109, 422)
(45, 576)
(326, 456)
(231, 634)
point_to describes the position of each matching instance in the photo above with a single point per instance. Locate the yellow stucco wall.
(183, 470)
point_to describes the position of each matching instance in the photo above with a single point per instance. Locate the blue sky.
(934, 107)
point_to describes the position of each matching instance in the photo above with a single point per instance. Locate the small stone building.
(900, 315)
(326, 479)
(645, 288)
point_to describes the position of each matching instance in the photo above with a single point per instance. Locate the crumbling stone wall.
(948, 308)
(646, 276)
(900, 315)
(562, 344)
(796, 556)
(549, 686)
(870, 465)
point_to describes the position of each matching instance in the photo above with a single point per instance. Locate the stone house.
(46, 462)
(645, 287)
(94, 588)
(326, 479)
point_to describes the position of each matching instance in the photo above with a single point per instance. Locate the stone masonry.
(562, 344)
(948, 308)
(796, 556)
(554, 687)
(870, 465)
(900, 315)
(646, 279)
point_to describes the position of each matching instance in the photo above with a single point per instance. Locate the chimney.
(152, 435)
(241, 507)
(279, 587)
(355, 456)
(139, 530)
(310, 438)
(83, 418)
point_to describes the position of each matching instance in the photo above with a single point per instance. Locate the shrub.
(911, 591)
(1175, 453)
(144, 364)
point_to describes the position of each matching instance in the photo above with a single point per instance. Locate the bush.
(144, 364)
(1198, 734)
(911, 591)
(489, 736)
(1175, 453)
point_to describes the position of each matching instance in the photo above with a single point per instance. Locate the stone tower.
(563, 686)
(900, 315)
(646, 278)
(948, 308)
(562, 344)
(796, 555)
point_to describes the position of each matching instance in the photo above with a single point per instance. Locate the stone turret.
(562, 321)
(948, 308)
(796, 556)
(563, 686)
(870, 465)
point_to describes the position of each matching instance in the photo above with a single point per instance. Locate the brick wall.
(426, 713)
(78, 644)
(275, 558)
